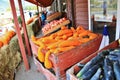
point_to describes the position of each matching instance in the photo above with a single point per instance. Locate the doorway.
(103, 12)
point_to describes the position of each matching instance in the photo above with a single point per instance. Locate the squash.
(48, 40)
(66, 36)
(62, 32)
(62, 49)
(63, 28)
(72, 42)
(54, 45)
(73, 30)
(84, 33)
(33, 38)
(48, 63)
(41, 56)
(92, 35)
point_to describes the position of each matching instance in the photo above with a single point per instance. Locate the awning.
(42, 3)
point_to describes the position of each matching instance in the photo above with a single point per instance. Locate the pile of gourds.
(4, 39)
(63, 40)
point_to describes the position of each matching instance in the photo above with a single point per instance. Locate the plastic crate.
(70, 73)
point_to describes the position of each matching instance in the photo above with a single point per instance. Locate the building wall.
(79, 14)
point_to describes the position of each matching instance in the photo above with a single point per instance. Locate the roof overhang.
(42, 3)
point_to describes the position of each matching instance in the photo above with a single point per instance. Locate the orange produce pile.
(52, 24)
(6, 38)
(63, 40)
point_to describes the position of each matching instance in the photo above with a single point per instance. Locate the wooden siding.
(79, 10)
(81, 13)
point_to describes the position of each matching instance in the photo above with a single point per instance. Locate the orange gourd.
(48, 40)
(73, 42)
(52, 36)
(29, 21)
(33, 38)
(41, 56)
(48, 63)
(66, 36)
(62, 32)
(7, 37)
(73, 30)
(54, 45)
(92, 35)
(62, 49)
(84, 33)
(63, 27)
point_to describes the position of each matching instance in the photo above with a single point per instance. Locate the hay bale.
(29, 30)
(14, 61)
(8, 74)
(4, 57)
(14, 45)
(33, 28)
(36, 26)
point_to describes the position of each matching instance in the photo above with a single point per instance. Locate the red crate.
(63, 61)
(49, 75)
(70, 73)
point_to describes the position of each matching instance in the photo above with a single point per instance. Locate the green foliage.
(19, 20)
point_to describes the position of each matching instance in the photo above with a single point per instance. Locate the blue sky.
(5, 4)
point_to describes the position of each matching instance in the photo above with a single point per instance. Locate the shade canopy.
(42, 3)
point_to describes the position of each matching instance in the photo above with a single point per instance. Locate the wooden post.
(59, 6)
(39, 19)
(22, 49)
(24, 28)
(117, 36)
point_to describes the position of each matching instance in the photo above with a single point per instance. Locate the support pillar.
(24, 28)
(22, 49)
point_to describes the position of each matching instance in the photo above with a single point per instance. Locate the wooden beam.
(59, 6)
(118, 21)
(24, 28)
(39, 19)
(22, 49)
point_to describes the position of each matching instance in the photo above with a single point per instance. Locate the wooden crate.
(40, 67)
(54, 16)
(63, 61)
(70, 73)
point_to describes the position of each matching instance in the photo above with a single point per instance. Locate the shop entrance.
(103, 12)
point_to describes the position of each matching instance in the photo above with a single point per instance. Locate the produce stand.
(55, 28)
(62, 61)
(54, 16)
(70, 73)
